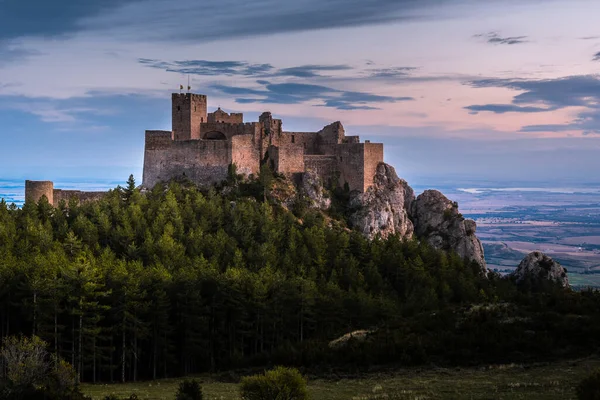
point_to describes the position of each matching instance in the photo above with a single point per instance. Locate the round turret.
(34, 190)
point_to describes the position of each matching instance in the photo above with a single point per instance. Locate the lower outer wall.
(203, 162)
(82, 197)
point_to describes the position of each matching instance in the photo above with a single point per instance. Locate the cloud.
(393, 72)
(559, 93)
(48, 18)
(11, 51)
(596, 56)
(310, 71)
(495, 38)
(505, 108)
(297, 93)
(188, 20)
(208, 68)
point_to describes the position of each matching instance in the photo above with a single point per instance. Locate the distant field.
(584, 280)
(550, 381)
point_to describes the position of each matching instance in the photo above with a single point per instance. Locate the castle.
(201, 147)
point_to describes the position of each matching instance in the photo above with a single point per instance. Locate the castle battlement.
(202, 145)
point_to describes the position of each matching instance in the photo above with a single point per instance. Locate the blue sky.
(458, 90)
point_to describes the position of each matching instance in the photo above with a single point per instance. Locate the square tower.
(188, 112)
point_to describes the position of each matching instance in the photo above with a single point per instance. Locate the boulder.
(537, 268)
(436, 219)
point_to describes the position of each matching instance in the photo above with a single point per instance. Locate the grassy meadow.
(543, 381)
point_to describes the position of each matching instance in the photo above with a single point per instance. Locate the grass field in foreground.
(547, 381)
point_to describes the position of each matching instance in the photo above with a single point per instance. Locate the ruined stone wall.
(287, 159)
(188, 112)
(245, 155)
(202, 161)
(326, 166)
(350, 157)
(351, 139)
(373, 155)
(333, 133)
(82, 197)
(308, 140)
(222, 116)
(229, 130)
(34, 190)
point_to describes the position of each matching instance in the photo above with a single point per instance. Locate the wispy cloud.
(560, 93)
(226, 19)
(297, 93)
(208, 68)
(495, 38)
(596, 56)
(11, 51)
(506, 108)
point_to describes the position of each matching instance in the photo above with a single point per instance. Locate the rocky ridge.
(389, 207)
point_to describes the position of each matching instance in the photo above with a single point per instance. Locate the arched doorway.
(214, 135)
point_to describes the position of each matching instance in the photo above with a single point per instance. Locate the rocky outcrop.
(537, 268)
(312, 189)
(437, 220)
(383, 208)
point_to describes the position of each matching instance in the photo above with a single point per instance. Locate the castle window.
(194, 108)
(178, 108)
(341, 159)
(293, 139)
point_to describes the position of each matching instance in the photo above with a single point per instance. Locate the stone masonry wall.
(245, 155)
(351, 164)
(308, 140)
(326, 166)
(288, 159)
(373, 155)
(34, 190)
(222, 116)
(82, 197)
(188, 112)
(202, 161)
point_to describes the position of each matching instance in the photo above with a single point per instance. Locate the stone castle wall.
(326, 166)
(222, 116)
(202, 161)
(188, 112)
(82, 197)
(287, 159)
(35, 190)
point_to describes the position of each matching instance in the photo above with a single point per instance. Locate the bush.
(278, 384)
(189, 390)
(589, 388)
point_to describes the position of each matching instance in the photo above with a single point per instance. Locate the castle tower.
(34, 190)
(188, 112)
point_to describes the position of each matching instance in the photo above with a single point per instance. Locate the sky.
(496, 91)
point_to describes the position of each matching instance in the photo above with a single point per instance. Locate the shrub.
(278, 384)
(589, 388)
(189, 390)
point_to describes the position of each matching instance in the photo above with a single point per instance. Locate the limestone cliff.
(383, 208)
(438, 221)
(537, 267)
(313, 190)
(389, 207)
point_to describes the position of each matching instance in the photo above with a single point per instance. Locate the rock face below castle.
(389, 207)
(201, 147)
(438, 221)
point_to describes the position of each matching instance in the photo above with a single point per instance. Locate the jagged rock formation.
(438, 221)
(537, 267)
(383, 208)
(389, 207)
(313, 190)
